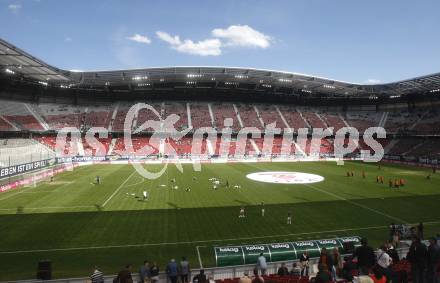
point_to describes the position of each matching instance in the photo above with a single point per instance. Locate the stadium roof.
(15, 61)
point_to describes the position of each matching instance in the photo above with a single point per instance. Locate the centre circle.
(284, 177)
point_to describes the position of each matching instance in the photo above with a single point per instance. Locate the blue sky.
(349, 40)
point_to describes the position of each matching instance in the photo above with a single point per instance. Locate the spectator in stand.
(257, 278)
(396, 239)
(323, 276)
(413, 232)
(154, 272)
(283, 271)
(262, 264)
(124, 276)
(378, 276)
(365, 257)
(97, 276)
(337, 261)
(326, 260)
(304, 261)
(296, 270)
(349, 268)
(393, 230)
(420, 231)
(391, 251)
(417, 256)
(200, 278)
(144, 271)
(432, 273)
(184, 270)
(211, 279)
(172, 271)
(383, 263)
(245, 278)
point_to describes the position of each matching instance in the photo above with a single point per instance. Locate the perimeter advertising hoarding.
(10, 171)
(239, 255)
(226, 256)
(252, 252)
(310, 246)
(282, 251)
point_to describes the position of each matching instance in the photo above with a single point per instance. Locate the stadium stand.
(5, 126)
(23, 116)
(363, 120)
(97, 116)
(20, 151)
(403, 119)
(293, 118)
(19, 114)
(333, 120)
(314, 119)
(143, 116)
(180, 110)
(200, 115)
(221, 112)
(59, 116)
(269, 114)
(249, 116)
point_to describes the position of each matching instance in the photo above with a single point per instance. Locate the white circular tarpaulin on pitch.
(283, 177)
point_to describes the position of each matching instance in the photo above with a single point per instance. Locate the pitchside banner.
(78, 159)
(239, 255)
(22, 168)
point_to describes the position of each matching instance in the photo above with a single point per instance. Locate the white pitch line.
(117, 190)
(204, 241)
(359, 205)
(199, 256)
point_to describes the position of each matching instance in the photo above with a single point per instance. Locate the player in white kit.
(242, 213)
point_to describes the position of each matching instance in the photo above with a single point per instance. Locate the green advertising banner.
(282, 252)
(252, 252)
(310, 246)
(329, 244)
(349, 243)
(227, 256)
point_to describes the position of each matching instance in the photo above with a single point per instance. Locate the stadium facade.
(38, 100)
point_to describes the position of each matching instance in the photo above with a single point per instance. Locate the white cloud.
(242, 35)
(173, 40)
(233, 36)
(373, 81)
(67, 39)
(14, 7)
(140, 38)
(207, 47)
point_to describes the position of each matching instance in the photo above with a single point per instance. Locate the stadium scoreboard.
(248, 254)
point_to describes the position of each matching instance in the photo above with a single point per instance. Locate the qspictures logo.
(164, 133)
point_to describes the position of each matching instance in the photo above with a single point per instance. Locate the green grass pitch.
(67, 222)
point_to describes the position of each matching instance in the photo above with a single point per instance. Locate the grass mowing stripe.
(359, 205)
(50, 207)
(206, 241)
(119, 188)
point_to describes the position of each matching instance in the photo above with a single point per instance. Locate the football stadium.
(214, 173)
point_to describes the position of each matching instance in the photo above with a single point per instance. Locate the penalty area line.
(199, 256)
(118, 189)
(204, 241)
